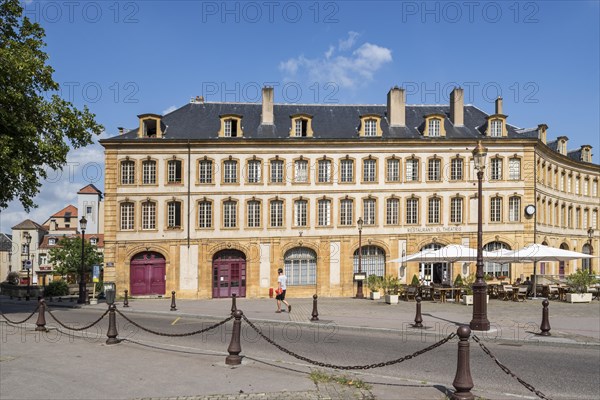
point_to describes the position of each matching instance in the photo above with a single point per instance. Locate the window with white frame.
(346, 212)
(369, 211)
(434, 169)
(347, 170)
(174, 173)
(253, 214)
(412, 170)
(370, 127)
(496, 209)
(392, 211)
(514, 169)
(456, 169)
(569, 183)
(205, 213)
(93, 241)
(434, 127)
(372, 260)
(514, 209)
(148, 215)
(174, 214)
(300, 265)
(301, 127)
(570, 217)
(586, 218)
(301, 171)
(594, 219)
(562, 182)
(127, 172)
(492, 268)
(578, 218)
(496, 128)
(276, 213)
(369, 170)
(254, 171)
(205, 171)
(393, 170)
(433, 215)
(324, 212)
(412, 211)
(456, 210)
(149, 172)
(230, 214)
(230, 128)
(276, 171)
(586, 186)
(230, 171)
(300, 212)
(127, 216)
(52, 241)
(496, 169)
(595, 189)
(324, 171)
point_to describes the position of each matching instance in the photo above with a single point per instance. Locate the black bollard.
(463, 383)
(41, 321)
(418, 318)
(112, 326)
(545, 326)
(173, 305)
(315, 312)
(233, 305)
(235, 347)
(126, 300)
(87, 297)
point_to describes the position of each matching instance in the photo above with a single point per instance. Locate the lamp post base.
(359, 290)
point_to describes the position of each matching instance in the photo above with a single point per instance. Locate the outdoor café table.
(493, 290)
(443, 292)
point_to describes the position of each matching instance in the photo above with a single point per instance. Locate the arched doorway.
(300, 265)
(147, 274)
(440, 273)
(586, 263)
(229, 274)
(372, 261)
(563, 264)
(496, 269)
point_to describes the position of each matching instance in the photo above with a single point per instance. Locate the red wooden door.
(147, 274)
(229, 277)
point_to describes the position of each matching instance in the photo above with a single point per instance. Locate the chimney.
(267, 106)
(542, 132)
(499, 105)
(121, 130)
(457, 107)
(396, 104)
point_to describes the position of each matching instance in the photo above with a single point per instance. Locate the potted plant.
(415, 281)
(391, 285)
(578, 282)
(467, 298)
(374, 284)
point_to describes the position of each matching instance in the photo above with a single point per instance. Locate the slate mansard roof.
(201, 121)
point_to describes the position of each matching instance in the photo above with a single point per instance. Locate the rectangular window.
(369, 211)
(127, 173)
(254, 171)
(148, 215)
(346, 212)
(433, 216)
(230, 129)
(514, 169)
(127, 216)
(347, 170)
(586, 217)
(300, 210)
(594, 219)
(514, 209)
(456, 210)
(324, 212)
(412, 211)
(149, 172)
(496, 209)
(205, 173)
(412, 170)
(324, 171)
(174, 214)
(230, 171)
(393, 170)
(586, 187)
(174, 171)
(562, 182)
(496, 169)
(569, 183)
(578, 218)
(205, 214)
(230, 214)
(595, 189)
(276, 171)
(301, 171)
(434, 127)
(570, 217)
(301, 127)
(369, 170)
(371, 127)
(277, 213)
(253, 214)
(392, 208)
(496, 128)
(88, 210)
(456, 169)
(577, 185)
(433, 170)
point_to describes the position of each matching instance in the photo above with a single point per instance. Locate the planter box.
(579, 297)
(467, 299)
(375, 295)
(391, 298)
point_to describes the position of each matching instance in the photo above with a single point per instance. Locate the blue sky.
(130, 57)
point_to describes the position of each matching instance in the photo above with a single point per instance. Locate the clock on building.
(530, 210)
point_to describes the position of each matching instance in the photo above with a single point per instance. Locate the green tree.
(36, 130)
(66, 257)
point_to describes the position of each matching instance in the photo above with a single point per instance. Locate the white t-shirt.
(282, 279)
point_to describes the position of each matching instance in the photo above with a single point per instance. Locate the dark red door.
(147, 274)
(229, 275)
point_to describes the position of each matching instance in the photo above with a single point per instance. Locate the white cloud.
(346, 70)
(169, 110)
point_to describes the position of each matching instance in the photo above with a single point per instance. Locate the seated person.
(529, 286)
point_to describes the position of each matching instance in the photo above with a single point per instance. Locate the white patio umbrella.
(539, 252)
(450, 253)
(411, 257)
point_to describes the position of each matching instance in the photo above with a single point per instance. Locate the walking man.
(281, 288)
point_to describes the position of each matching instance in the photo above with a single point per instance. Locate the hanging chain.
(78, 329)
(20, 322)
(174, 334)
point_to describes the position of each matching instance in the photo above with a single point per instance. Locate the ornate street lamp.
(590, 233)
(82, 299)
(359, 278)
(27, 238)
(479, 321)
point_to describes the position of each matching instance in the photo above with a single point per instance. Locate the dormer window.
(150, 126)
(231, 126)
(301, 125)
(496, 128)
(434, 125)
(300, 129)
(93, 241)
(51, 242)
(370, 126)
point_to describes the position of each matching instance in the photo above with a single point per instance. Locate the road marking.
(176, 319)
